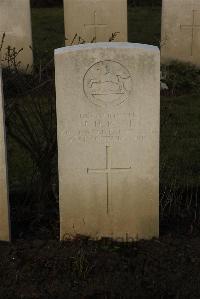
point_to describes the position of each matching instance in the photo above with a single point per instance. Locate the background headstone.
(95, 20)
(181, 31)
(15, 22)
(108, 139)
(4, 214)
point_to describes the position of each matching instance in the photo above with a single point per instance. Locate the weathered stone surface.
(181, 31)
(108, 139)
(15, 23)
(4, 217)
(95, 20)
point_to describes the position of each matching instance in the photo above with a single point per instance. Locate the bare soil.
(167, 267)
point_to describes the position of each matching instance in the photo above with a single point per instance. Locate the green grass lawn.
(48, 31)
(144, 25)
(180, 140)
(180, 122)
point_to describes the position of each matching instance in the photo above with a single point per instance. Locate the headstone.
(181, 31)
(108, 139)
(95, 21)
(15, 31)
(4, 218)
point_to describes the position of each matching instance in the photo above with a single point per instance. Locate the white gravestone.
(181, 31)
(4, 217)
(95, 20)
(15, 24)
(108, 139)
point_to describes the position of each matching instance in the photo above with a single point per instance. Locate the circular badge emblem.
(107, 83)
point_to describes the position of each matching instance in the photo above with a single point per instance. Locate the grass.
(48, 31)
(144, 25)
(180, 140)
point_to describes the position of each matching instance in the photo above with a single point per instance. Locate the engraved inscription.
(105, 128)
(107, 83)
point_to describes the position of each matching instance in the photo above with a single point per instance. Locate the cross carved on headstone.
(95, 25)
(108, 171)
(193, 27)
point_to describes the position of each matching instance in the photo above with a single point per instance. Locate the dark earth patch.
(164, 268)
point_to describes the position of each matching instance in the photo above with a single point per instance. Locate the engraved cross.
(193, 27)
(108, 171)
(95, 25)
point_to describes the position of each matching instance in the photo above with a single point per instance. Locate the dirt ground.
(168, 267)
